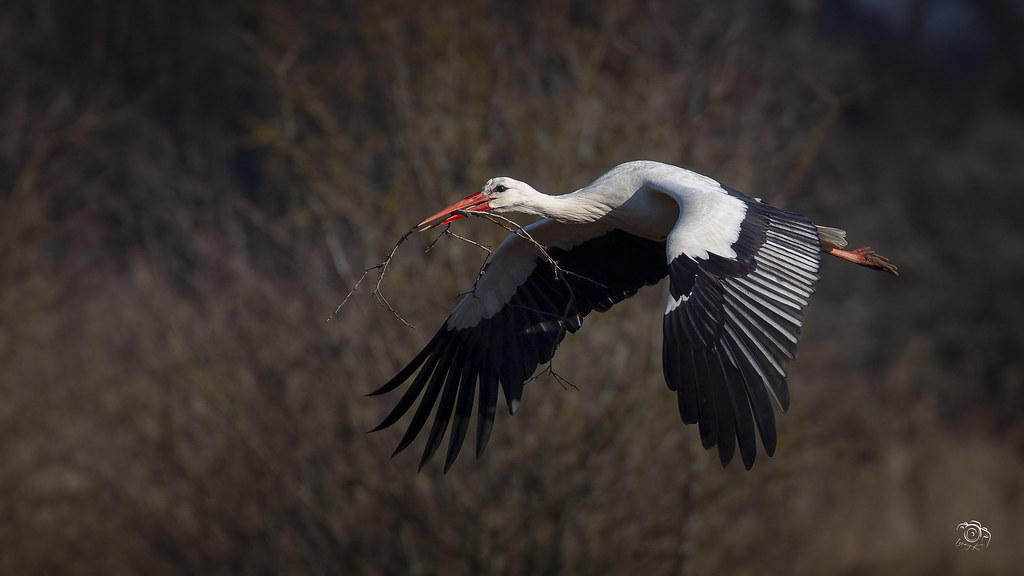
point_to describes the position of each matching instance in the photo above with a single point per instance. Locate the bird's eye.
(500, 188)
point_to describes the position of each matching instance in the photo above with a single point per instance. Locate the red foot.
(865, 257)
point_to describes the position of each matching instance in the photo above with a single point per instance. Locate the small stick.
(377, 294)
(550, 369)
(518, 230)
(351, 292)
(468, 241)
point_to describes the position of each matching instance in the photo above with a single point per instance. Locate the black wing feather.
(444, 410)
(738, 320)
(463, 410)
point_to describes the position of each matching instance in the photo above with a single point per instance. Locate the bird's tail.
(831, 237)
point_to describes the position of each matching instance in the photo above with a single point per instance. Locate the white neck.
(575, 207)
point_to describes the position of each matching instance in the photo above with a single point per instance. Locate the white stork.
(740, 273)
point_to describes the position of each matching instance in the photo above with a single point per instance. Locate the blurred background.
(188, 189)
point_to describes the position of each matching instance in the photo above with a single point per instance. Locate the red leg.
(865, 257)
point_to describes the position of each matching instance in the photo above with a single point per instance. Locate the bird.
(740, 274)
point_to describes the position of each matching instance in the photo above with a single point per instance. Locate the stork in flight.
(740, 274)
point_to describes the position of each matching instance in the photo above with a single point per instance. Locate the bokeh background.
(188, 189)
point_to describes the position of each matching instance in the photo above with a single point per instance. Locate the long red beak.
(476, 203)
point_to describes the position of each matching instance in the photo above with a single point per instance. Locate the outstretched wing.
(733, 320)
(512, 322)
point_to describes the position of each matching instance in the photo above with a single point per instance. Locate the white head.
(507, 194)
(501, 194)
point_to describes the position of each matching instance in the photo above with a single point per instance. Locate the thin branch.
(443, 233)
(468, 241)
(549, 369)
(448, 232)
(351, 292)
(513, 227)
(377, 293)
(565, 382)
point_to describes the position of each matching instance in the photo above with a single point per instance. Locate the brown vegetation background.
(188, 189)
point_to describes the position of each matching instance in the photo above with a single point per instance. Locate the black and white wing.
(733, 318)
(512, 322)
